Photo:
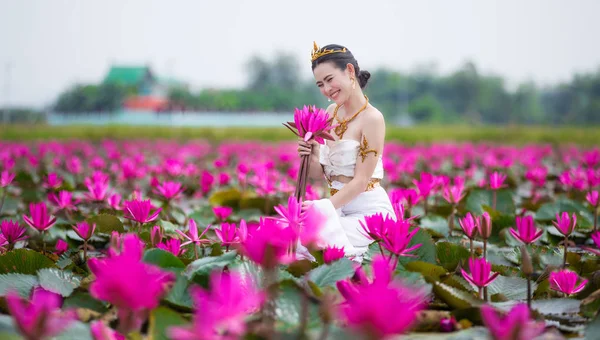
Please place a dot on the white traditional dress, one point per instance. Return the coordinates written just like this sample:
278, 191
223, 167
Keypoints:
342, 227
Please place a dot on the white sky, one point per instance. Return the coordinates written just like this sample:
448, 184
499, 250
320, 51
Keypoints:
51, 44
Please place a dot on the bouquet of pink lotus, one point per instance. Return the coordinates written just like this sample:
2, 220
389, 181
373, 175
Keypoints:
309, 123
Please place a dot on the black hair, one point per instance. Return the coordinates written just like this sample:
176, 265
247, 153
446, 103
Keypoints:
340, 60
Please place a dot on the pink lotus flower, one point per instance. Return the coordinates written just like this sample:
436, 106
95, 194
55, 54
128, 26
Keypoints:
61, 247
97, 191
169, 190
454, 194
171, 245
40, 219
6, 178
481, 273
228, 234
100, 331
206, 181
425, 185
398, 236
497, 180
596, 238
139, 293
41, 317
223, 309
374, 226
380, 308
84, 230
114, 201
527, 232
565, 281
410, 196
537, 175
12, 232
470, 225
484, 227
592, 198
565, 224
224, 178
53, 181
311, 122
332, 254
192, 235
269, 244
140, 211
516, 325
222, 213
64, 200
156, 235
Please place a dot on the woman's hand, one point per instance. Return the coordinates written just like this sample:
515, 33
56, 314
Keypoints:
304, 148
306, 205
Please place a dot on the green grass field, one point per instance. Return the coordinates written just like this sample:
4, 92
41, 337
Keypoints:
585, 136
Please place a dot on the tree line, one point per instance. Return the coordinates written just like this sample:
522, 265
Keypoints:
463, 95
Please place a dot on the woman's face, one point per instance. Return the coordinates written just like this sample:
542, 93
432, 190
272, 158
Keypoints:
333, 82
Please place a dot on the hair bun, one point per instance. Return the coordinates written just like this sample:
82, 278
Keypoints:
363, 78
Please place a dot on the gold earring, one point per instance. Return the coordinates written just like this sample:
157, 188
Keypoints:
353, 83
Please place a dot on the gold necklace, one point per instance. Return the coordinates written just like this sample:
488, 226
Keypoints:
343, 124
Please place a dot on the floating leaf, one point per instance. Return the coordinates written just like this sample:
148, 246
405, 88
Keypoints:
329, 274
179, 295
24, 261
162, 258
454, 297
229, 197
431, 272
205, 265
435, 223
161, 319
288, 309
86, 301
426, 252
106, 223
512, 288
450, 254
58, 281
547, 306
20, 283
478, 198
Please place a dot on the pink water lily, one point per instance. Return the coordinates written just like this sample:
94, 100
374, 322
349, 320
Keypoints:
398, 237
565, 281
192, 235
6, 178
39, 219
268, 245
497, 180
565, 224
61, 247
592, 198
53, 181
140, 211
84, 230
41, 317
64, 200
596, 238
516, 325
222, 310
101, 331
169, 190
526, 231
156, 235
311, 122
454, 194
133, 297
332, 254
383, 307
470, 225
484, 227
228, 234
12, 232
481, 273
222, 213
171, 245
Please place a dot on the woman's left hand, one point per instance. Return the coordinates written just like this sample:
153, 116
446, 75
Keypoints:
306, 205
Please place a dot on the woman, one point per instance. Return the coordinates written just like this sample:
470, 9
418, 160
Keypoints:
352, 164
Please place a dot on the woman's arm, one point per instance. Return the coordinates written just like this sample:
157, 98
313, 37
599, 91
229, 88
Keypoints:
372, 140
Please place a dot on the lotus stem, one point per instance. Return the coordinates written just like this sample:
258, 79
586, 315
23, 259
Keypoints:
471, 247
481, 293
303, 311
529, 291
397, 260
494, 199
485, 249
380, 248
268, 312
195, 251
566, 245
451, 222
3, 198
595, 217
43, 241
85, 251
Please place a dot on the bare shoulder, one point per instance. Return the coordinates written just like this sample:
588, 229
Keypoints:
373, 119
330, 109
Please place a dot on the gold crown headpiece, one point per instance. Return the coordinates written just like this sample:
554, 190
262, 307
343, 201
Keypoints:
317, 52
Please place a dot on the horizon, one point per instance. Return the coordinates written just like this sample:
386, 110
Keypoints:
52, 46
